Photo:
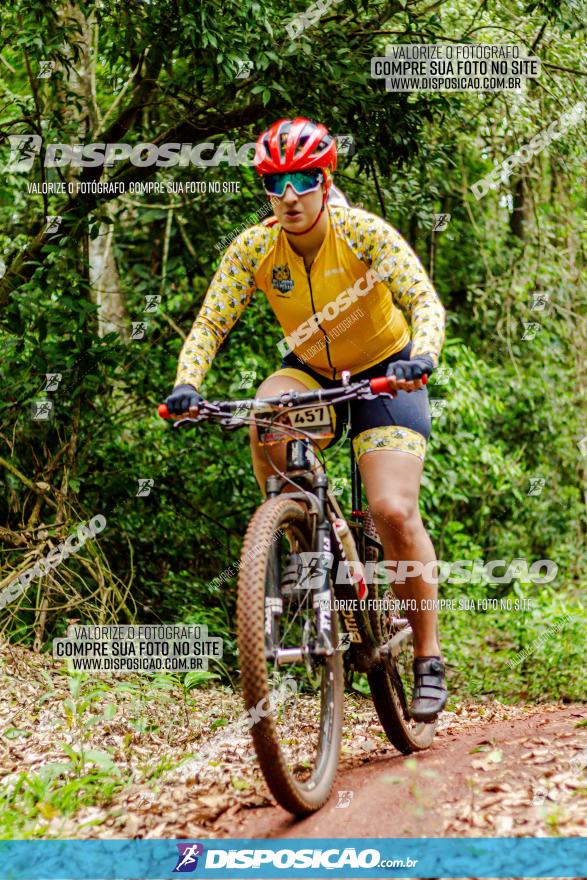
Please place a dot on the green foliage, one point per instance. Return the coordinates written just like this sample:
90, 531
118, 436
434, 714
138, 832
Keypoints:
512, 406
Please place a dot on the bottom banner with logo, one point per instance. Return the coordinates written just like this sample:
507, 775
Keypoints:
293, 857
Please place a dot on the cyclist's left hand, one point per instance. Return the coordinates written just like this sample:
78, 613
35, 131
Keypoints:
408, 374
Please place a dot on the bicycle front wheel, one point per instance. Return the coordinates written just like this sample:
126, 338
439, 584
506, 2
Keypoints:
293, 691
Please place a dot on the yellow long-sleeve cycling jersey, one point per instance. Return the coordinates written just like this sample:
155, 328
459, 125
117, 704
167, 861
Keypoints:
364, 272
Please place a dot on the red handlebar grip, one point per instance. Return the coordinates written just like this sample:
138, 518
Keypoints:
381, 384
163, 412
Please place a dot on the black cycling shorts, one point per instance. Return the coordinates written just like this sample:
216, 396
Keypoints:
399, 423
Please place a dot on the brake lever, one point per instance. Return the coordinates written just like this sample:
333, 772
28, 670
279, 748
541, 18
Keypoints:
188, 421
372, 396
233, 424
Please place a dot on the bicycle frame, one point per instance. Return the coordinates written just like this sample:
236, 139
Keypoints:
365, 652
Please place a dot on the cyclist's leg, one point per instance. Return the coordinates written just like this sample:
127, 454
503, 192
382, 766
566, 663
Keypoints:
267, 458
392, 481
263, 455
389, 441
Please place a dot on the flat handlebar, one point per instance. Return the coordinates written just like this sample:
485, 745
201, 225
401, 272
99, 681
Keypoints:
379, 385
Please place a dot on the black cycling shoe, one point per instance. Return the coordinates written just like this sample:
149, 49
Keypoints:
430, 693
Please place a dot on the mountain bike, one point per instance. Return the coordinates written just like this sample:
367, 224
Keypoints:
306, 618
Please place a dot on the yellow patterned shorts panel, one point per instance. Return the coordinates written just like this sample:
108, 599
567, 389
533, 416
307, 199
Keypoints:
390, 437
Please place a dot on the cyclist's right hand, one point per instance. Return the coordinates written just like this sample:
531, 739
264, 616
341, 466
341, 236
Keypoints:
182, 398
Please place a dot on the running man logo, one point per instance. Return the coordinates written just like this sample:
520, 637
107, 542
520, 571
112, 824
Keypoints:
531, 328
139, 329
540, 795
578, 763
241, 411
539, 301
187, 859
344, 799
23, 149
244, 68
53, 222
437, 407
247, 379
46, 68
338, 485
52, 381
442, 375
536, 486
312, 574
344, 641
42, 410
152, 302
345, 144
441, 221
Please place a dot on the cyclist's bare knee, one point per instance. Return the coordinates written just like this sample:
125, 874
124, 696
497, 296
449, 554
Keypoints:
272, 386
277, 383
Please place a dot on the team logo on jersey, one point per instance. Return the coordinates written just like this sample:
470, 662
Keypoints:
281, 279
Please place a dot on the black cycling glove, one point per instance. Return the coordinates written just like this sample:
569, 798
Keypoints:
181, 398
415, 368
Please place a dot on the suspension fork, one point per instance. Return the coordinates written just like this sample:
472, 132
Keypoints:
299, 466
273, 601
323, 595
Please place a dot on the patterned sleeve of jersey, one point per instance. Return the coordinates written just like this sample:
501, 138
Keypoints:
395, 262
230, 291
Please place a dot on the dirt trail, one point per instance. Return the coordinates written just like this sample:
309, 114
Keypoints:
185, 769
522, 776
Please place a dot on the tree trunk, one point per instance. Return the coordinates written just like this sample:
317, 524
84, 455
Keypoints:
518, 215
105, 290
105, 284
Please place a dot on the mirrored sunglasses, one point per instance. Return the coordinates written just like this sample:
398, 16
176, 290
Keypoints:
301, 181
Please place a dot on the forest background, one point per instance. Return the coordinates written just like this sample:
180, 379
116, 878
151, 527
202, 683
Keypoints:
506, 470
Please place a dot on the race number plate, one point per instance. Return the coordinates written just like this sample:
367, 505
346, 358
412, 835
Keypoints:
314, 421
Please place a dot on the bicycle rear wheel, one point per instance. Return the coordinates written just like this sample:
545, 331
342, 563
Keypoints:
392, 684
295, 709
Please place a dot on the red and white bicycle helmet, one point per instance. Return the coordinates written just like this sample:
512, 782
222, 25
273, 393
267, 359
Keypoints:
295, 145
